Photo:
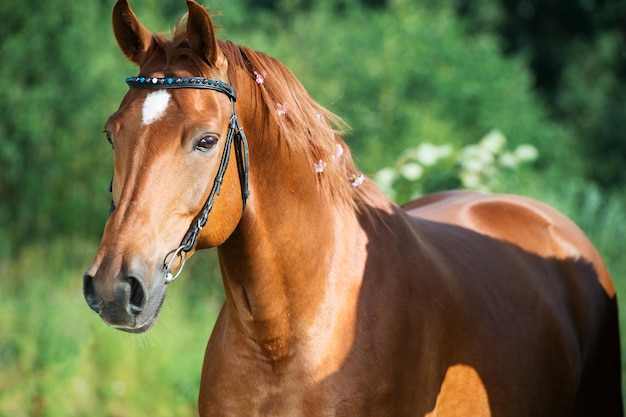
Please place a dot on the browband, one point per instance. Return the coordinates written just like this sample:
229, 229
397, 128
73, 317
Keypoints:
184, 82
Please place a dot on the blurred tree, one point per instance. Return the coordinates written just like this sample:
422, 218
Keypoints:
577, 53
549, 31
592, 99
53, 97
556, 39
415, 75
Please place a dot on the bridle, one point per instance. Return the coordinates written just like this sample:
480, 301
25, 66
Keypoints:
235, 133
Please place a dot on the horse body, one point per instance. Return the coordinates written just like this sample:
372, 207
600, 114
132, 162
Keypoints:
339, 302
442, 320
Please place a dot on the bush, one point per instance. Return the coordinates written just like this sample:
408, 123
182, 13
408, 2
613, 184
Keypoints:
55, 92
428, 168
592, 100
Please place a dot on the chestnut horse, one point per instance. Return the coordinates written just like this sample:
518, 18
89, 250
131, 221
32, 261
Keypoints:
338, 302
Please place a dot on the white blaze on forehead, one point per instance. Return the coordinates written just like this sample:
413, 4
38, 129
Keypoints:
154, 106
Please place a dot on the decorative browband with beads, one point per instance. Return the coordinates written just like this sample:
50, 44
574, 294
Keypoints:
182, 82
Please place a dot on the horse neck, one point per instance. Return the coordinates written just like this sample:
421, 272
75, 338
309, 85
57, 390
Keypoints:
278, 266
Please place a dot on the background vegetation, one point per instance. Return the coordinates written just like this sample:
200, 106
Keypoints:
546, 73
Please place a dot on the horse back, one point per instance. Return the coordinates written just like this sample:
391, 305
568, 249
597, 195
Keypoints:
523, 222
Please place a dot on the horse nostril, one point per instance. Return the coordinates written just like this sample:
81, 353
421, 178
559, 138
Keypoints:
137, 299
94, 300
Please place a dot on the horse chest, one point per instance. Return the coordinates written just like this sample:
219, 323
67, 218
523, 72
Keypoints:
265, 394
238, 386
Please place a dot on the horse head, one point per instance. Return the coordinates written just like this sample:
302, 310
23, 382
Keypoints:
171, 144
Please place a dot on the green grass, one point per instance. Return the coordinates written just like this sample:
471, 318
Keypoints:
57, 358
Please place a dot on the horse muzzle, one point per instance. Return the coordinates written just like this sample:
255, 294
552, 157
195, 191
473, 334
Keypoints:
125, 302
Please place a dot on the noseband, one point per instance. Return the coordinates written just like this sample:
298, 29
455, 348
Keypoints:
235, 132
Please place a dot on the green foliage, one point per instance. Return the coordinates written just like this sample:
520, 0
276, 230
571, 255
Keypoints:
575, 52
55, 88
411, 75
593, 101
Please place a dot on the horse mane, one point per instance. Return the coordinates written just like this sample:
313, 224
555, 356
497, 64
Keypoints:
303, 124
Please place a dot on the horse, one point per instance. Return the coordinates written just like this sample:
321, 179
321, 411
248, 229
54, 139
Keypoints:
338, 302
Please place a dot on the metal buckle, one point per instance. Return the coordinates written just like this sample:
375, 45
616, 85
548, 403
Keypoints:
169, 276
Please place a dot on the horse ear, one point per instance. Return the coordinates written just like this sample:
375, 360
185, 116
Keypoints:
133, 38
201, 34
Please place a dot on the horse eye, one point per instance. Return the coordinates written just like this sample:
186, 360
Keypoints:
109, 138
206, 143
